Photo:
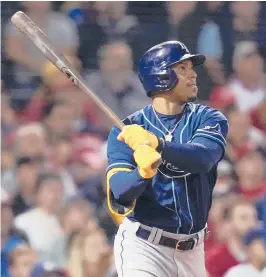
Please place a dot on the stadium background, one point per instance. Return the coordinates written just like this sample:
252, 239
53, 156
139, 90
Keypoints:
53, 137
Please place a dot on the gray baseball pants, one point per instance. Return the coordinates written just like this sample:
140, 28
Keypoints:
135, 257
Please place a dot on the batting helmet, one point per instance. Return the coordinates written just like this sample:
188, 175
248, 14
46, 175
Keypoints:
154, 67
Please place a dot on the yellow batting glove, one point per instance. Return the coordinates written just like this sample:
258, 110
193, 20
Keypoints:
134, 136
148, 160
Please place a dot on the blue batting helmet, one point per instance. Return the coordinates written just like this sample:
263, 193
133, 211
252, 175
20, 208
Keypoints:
154, 67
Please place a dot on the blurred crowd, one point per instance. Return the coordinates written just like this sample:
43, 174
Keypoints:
54, 217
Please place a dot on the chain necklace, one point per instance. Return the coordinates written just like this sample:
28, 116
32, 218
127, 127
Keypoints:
169, 135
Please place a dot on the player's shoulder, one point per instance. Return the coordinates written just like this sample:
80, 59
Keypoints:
205, 112
134, 118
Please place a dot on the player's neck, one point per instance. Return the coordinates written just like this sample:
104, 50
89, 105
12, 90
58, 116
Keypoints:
164, 106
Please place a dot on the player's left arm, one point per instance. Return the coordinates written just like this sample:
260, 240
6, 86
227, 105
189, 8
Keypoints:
200, 154
204, 150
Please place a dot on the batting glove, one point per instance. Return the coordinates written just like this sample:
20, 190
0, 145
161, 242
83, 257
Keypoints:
134, 136
148, 160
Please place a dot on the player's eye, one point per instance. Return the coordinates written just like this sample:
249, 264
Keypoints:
182, 68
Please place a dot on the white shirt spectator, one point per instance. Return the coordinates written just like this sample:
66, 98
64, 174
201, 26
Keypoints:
245, 98
245, 270
209, 41
42, 229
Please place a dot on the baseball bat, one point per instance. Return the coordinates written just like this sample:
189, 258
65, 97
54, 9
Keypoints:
40, 40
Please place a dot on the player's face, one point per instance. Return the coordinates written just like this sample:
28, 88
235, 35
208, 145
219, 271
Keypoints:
186, 89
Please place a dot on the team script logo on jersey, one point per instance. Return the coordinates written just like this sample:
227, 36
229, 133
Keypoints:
169, 170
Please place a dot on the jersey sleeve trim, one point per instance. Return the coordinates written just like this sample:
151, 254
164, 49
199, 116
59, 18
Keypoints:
119, 165
219, 135
216, 138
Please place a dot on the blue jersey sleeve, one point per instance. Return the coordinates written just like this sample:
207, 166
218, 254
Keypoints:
204, 150
126, 186
118, 153
213, 126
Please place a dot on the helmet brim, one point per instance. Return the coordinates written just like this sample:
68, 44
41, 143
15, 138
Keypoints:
196, 59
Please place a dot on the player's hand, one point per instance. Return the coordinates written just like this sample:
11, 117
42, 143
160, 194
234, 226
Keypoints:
134, 136
148, 160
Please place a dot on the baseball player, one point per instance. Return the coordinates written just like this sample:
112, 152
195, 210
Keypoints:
162, 168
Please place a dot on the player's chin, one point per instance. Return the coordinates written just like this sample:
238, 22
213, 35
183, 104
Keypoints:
193, 93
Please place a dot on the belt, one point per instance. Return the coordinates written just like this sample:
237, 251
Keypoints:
182, 245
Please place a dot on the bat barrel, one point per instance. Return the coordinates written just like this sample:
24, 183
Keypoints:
40, 40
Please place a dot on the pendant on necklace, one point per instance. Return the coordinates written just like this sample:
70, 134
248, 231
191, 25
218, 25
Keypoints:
168, 137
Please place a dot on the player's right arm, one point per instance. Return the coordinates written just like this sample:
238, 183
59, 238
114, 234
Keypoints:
128, 171
128, 174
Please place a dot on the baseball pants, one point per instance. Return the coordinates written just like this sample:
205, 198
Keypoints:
137, 257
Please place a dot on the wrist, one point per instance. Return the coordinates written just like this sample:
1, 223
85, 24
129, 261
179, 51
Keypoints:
145, 174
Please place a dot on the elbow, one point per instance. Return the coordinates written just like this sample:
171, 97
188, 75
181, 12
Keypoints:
206, 164
205, 167
120, 194
122, 197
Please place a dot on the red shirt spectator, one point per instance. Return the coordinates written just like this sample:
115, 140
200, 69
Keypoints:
258, 117
226, 260
241, 216
250, 171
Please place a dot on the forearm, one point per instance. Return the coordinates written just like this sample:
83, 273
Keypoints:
190, 157
127, 186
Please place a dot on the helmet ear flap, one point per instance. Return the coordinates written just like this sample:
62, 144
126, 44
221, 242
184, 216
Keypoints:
167, 79
163, 80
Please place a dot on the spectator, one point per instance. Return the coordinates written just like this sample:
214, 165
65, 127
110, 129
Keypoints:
91, 34
46, 269
241, 217
181, 16
63, 151
210, 42
242, 136
87, 179
9, 120
258, 115
261, 207
44, 228
7, 159
56, 86
76, 215
118, 25
116, 83
58, 120
75, 10
27, 59
10, 236
241, 25
256, 250
28, 141
26, 176
223, 195
247, 84
89, 254
251, 175
21, 261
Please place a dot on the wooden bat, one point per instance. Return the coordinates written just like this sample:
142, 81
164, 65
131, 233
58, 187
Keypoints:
36, 35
